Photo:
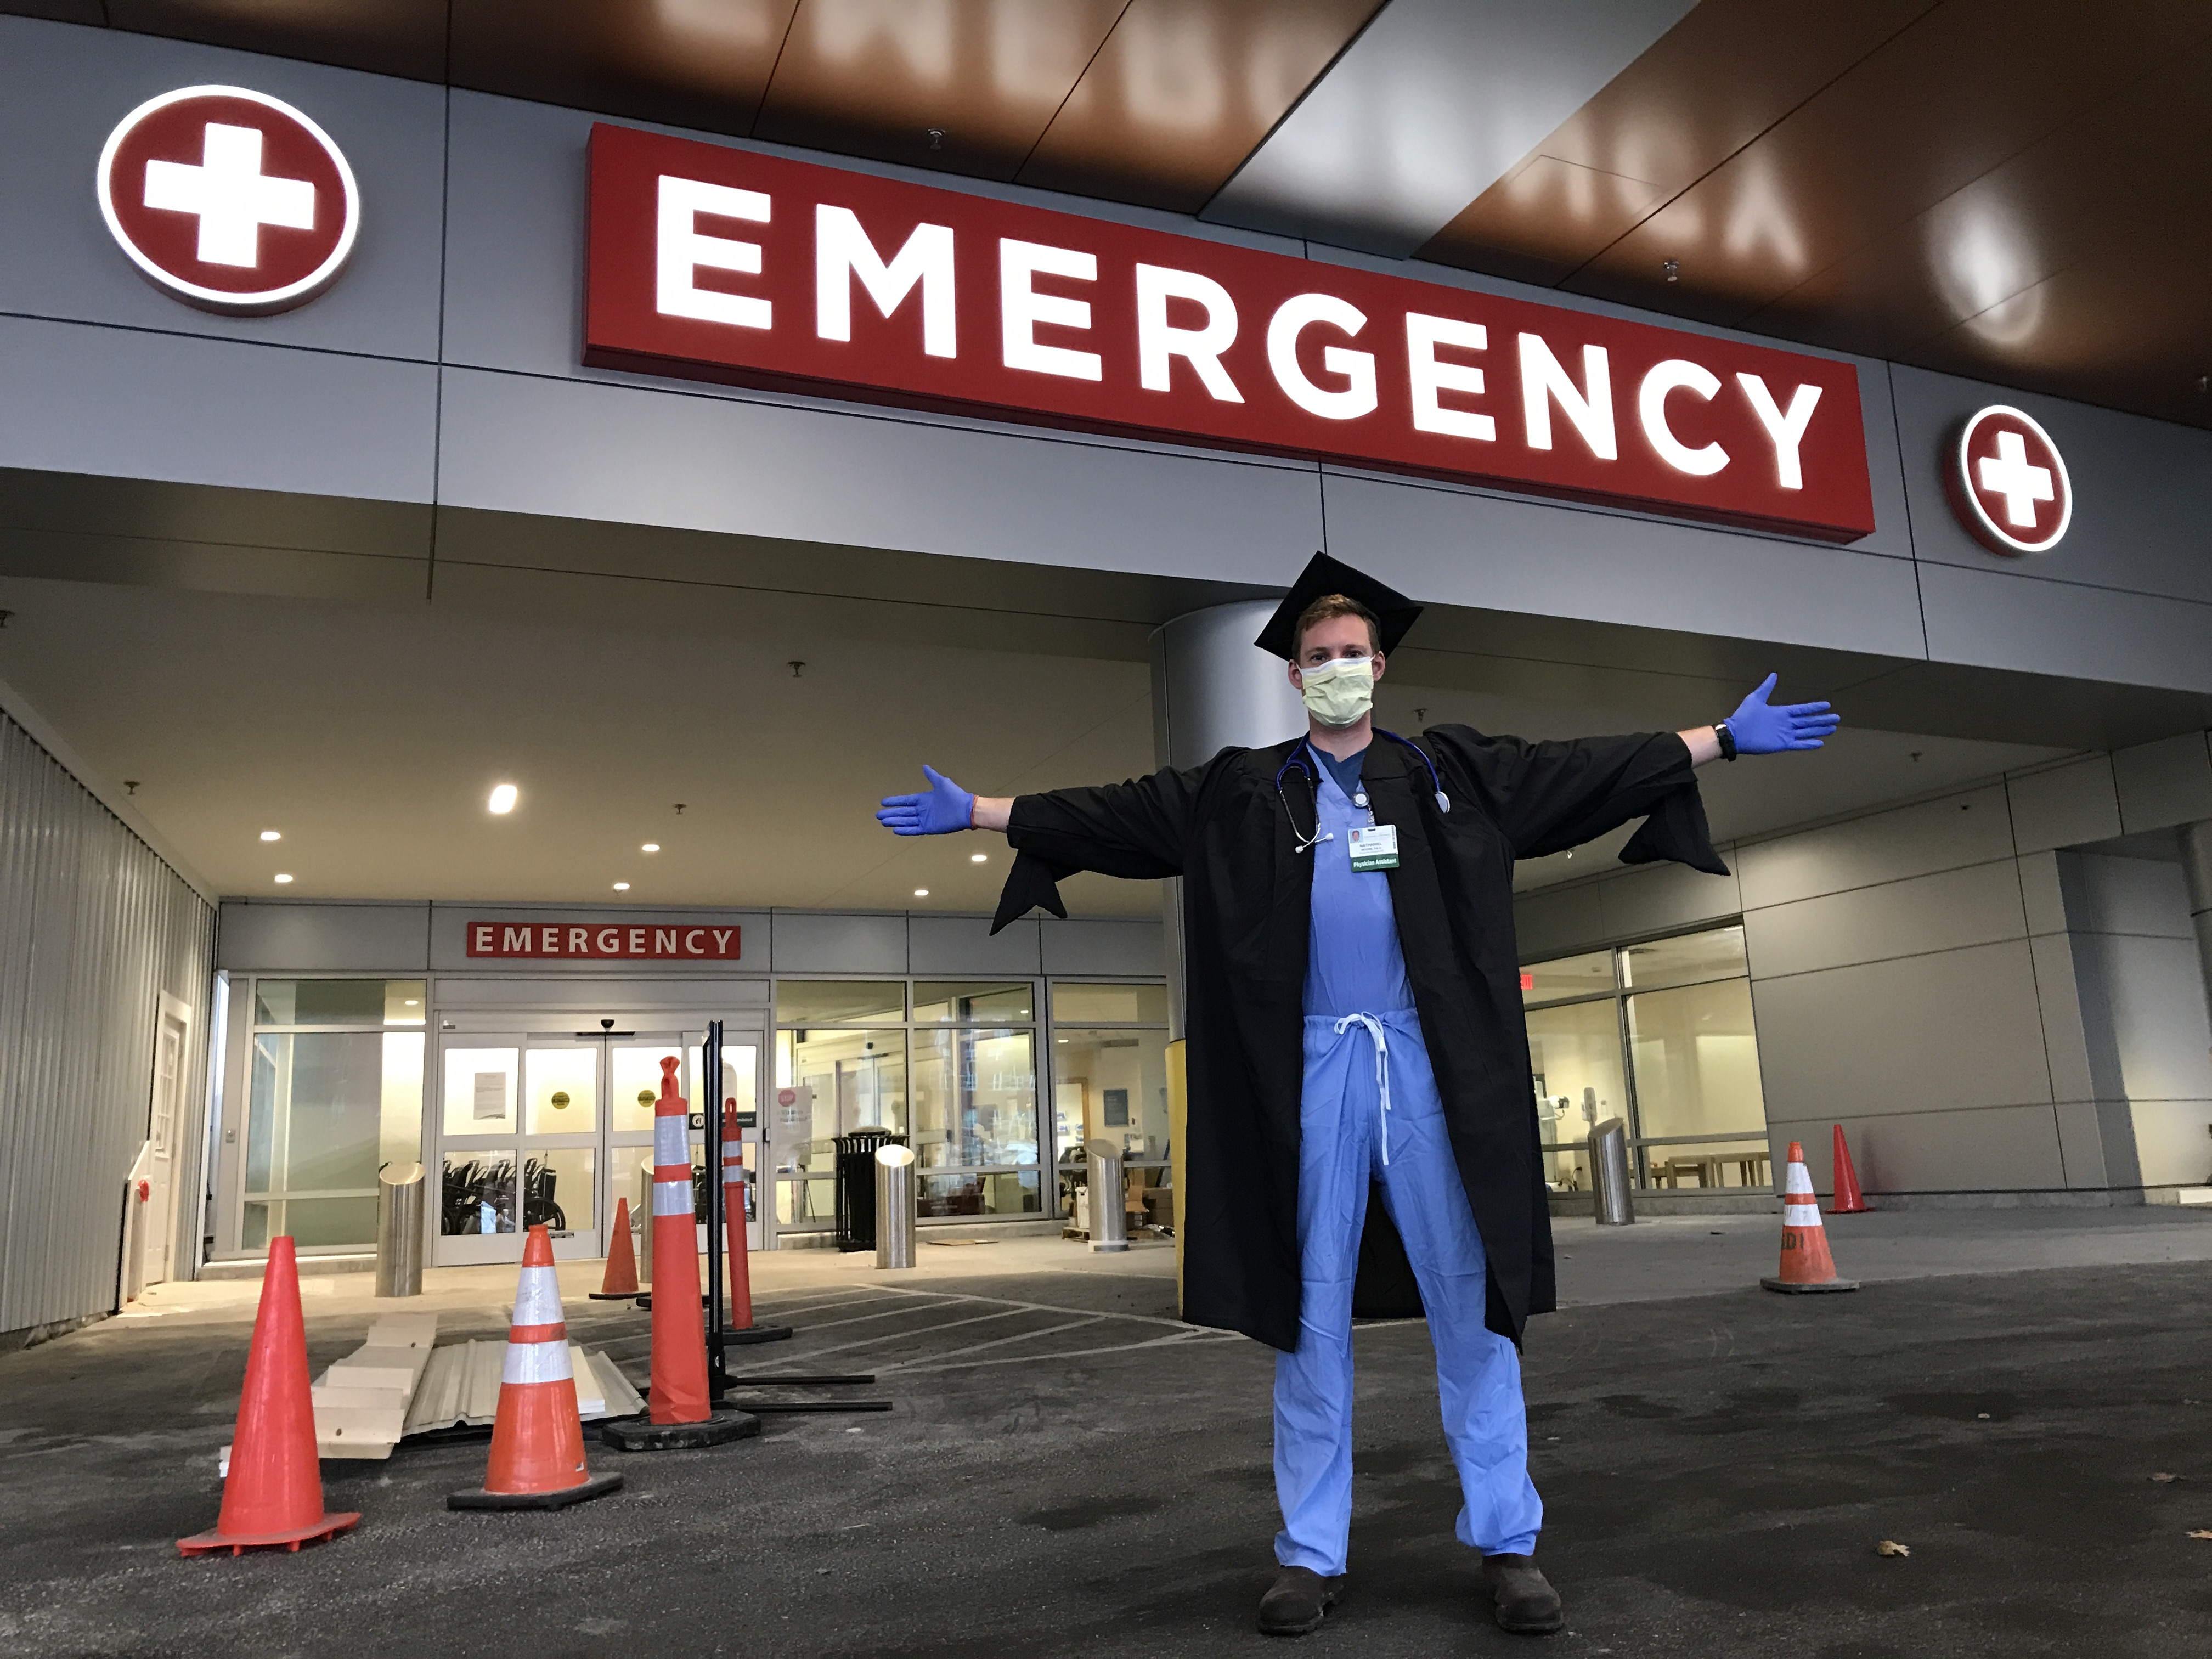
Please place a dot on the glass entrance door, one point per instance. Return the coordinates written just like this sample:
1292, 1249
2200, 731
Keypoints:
552, 1127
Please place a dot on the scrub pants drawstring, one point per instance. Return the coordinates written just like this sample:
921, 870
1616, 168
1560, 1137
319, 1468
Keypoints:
1382, 1070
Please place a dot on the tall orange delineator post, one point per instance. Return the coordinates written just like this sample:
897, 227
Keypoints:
740, 1326
273, 1497
679, 1413
538, 1438
1806, 1264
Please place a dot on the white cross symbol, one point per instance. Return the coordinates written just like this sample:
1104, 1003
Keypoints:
232, 199
2007, 473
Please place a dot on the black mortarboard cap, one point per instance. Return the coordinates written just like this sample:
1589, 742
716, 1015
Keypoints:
1323, 575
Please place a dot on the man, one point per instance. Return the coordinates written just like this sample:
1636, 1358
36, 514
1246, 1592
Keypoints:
1354, 1024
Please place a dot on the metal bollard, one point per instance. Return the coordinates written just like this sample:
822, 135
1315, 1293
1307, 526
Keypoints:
1109, 1224
895, 1206
400, 1194
1608, 1155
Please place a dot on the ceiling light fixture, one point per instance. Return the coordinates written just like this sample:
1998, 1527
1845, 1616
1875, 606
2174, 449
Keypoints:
281, 880
1673, 269
977, 858
622, 887
650, 846
921, 892
272, 835
503, 798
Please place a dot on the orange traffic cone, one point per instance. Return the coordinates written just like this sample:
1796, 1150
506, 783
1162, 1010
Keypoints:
1806, 1263
620, 1282
1849, 1199
274, 1493
679, 1412
741, 1328
538, 1438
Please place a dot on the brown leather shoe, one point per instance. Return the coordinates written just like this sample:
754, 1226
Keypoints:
1523, 1599
1296, 1602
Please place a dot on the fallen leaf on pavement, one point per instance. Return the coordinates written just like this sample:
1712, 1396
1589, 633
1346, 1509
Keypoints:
1891, 1546
2163, 1479
2202, 1531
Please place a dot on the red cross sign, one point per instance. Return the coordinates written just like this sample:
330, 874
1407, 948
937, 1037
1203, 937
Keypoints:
2008, 482
230, 200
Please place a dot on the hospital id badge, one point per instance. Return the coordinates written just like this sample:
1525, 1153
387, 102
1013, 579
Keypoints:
1375, 847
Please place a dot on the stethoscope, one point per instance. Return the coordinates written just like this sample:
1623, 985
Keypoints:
1306, 843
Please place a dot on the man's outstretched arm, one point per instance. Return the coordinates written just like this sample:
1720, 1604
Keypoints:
1760, 728
942, 808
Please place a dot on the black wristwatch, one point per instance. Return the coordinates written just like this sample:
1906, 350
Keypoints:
1728, 740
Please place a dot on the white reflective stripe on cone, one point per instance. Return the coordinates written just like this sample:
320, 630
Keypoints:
673, 1198
1798, 1181
536, 1362
537, 1298
668, 1142
1800, 1215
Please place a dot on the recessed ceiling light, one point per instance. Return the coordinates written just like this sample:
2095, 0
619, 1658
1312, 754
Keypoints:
281, 880
502, 798
977, 858
412, 1002
272, 835
921, 892
622, 887
650, 846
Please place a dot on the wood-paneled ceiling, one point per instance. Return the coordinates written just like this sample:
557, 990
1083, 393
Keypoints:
2015, 190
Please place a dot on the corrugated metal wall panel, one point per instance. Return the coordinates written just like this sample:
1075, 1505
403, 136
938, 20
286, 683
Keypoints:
93, 928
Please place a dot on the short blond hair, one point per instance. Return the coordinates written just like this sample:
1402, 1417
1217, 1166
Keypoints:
1330, 605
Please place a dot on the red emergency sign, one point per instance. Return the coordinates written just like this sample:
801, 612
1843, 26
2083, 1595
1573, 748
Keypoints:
718, 263
586, 941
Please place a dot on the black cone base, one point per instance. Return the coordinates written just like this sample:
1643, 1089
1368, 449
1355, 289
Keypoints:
1788, 1289
756, 1334
597, 1486
642, 1434
611, 1296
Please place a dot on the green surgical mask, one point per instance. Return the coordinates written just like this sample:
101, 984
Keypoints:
1341, 692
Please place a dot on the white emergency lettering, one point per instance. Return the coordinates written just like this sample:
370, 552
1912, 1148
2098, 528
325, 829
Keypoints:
683, 252
1677, 375
536, 1362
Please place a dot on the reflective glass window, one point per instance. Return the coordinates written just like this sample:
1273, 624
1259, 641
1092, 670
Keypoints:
838, 1002
982, 1004
829, 1083
1567, 976
1110, 1005
1696, 1061
1686, 959
974, 1097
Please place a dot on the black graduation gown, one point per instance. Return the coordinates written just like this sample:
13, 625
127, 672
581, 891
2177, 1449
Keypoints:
1247, 898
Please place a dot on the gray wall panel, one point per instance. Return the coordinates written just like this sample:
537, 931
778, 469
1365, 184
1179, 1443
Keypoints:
2164, 783
1968, 828
272, 937
94, 929
1997, 619
2171, 1142
1554, 919
62, 90
2042, 892
1118, 949
1997, 1149
1662, 898
129, 404
523, 445
2064, 806
1955, 1029
965, 944
2080, 1144
2133, 896
2142, 489
824, 942
1456, 546
1977, 905
2065, 1037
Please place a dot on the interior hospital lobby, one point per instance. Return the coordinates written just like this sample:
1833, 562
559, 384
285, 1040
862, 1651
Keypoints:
419, 722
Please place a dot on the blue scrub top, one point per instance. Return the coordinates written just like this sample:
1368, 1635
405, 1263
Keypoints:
1353, 962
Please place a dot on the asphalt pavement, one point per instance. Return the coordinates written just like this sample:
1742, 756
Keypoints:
1067, 1470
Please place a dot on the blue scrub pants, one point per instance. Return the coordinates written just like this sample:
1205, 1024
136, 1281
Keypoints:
1345, 1131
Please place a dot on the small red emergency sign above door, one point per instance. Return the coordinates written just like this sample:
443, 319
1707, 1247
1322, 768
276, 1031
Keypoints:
230, 199
582, 942
2008, 482
718, 263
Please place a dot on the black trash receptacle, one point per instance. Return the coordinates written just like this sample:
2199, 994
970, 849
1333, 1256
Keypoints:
856, 1186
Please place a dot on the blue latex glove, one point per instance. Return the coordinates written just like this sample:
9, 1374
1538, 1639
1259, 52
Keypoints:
1760, 728
942, 808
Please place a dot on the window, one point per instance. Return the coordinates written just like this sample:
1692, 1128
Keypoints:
334, 1093
1109, 1082
958, 1082
1660, 1034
